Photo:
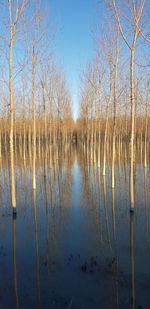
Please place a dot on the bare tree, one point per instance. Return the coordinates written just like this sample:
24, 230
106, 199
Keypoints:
115, 105
16, 9
135, 10
35, 34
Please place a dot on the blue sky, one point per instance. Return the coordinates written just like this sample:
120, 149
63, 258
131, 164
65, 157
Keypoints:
74, 46
73, 21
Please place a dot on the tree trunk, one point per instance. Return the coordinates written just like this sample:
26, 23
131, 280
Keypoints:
132, 129
114, 124
34, 125
12, 177
146, 129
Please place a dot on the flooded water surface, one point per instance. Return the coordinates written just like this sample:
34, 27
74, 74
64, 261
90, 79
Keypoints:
74, 243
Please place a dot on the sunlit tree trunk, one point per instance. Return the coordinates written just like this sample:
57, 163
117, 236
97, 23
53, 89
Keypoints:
132, 129
12, 176
34, 124
99, 143
106, 126
0, 144
136, 9
146, 128
114, 123
24, 141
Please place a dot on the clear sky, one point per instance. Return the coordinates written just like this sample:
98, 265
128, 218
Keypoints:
74, 46
74, 21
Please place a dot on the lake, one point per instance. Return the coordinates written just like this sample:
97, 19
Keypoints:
74, 243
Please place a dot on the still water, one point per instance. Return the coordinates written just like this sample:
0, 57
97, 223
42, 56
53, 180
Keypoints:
74, 243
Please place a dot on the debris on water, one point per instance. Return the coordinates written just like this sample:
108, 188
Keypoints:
90, 265
84, 267
93, 261
112, 266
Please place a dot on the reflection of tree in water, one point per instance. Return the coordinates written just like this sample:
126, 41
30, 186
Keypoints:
14, 246
132, 262
37, 248
146, 198
53, 156
106, 209
55, 186
94, 195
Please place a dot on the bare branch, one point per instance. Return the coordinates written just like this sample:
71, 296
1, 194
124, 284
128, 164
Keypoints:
119, 24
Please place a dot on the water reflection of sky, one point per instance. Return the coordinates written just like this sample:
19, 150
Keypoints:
75, 239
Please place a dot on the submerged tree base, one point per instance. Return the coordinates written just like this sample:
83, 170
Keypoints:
14, 213
131, 210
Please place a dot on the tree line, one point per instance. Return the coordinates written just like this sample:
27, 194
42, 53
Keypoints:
35, 98
114, 97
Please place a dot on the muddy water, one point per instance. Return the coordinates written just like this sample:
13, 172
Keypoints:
74, 243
